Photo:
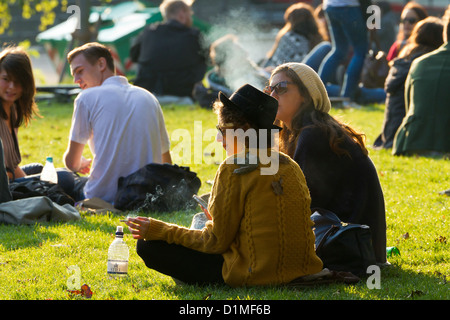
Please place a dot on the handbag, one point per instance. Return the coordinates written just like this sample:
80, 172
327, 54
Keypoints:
376, 67
342, 246
158, 187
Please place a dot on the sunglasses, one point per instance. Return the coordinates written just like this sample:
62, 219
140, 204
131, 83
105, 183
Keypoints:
280, 88
409, 20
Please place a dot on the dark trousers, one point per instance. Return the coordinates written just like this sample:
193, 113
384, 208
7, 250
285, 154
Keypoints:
70, 182
181, 263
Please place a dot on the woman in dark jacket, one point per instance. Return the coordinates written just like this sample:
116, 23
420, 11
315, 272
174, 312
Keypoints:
425, 37
340, 176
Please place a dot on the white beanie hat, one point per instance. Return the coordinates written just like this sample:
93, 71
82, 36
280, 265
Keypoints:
313, 84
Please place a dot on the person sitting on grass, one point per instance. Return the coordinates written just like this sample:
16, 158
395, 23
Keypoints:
123, 125
425, 129
426, 37
17, 108
17, 105
341, 176
260, 232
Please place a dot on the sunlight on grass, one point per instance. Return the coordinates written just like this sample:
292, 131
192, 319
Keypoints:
34, 259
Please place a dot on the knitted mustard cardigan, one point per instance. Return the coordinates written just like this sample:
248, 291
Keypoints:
261, 225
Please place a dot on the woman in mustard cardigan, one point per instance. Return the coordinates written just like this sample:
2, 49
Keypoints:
260, 232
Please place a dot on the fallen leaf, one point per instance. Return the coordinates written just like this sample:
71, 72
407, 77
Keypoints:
441, 239
207, 296
405, 236
84, 291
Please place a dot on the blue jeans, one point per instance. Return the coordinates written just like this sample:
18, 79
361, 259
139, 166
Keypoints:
347, 27
362, 95
315, 57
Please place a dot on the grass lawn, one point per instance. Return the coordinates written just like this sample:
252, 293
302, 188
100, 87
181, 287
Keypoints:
35, 260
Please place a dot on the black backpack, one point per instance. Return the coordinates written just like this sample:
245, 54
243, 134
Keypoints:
158, 187
342, 246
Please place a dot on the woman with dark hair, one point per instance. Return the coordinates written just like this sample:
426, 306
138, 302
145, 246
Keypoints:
17, 105
297, 38
260, 232
340, 176
412, 13
425, 37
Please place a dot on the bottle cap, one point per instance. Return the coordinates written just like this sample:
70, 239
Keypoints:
49, 159
119, 231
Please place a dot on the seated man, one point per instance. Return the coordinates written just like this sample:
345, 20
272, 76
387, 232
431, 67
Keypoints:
123, 124
426, 126
169, 54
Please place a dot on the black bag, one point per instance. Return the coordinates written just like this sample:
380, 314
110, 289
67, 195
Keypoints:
342, 246
37, 188
158, 187
376, 67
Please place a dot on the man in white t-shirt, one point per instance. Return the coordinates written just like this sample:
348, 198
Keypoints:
122, 124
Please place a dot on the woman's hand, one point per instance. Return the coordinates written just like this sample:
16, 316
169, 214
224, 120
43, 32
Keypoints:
138, 227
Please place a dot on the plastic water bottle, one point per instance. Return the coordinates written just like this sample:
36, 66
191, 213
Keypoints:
118, 255
49, 172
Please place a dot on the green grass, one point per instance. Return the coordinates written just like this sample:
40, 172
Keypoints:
34, 260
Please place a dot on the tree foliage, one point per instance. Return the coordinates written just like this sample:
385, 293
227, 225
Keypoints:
45, 8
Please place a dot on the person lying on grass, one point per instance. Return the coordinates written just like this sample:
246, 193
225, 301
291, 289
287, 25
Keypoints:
260, 232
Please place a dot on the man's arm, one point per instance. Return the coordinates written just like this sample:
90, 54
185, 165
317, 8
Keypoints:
74, 160
166, 158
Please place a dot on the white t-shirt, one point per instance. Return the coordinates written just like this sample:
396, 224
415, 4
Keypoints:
125, 129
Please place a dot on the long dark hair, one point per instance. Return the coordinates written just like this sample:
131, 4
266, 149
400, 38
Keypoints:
336, 131
300, 19
420, 11
426, 36
16, 62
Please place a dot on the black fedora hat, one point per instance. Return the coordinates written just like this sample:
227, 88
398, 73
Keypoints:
258, 108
